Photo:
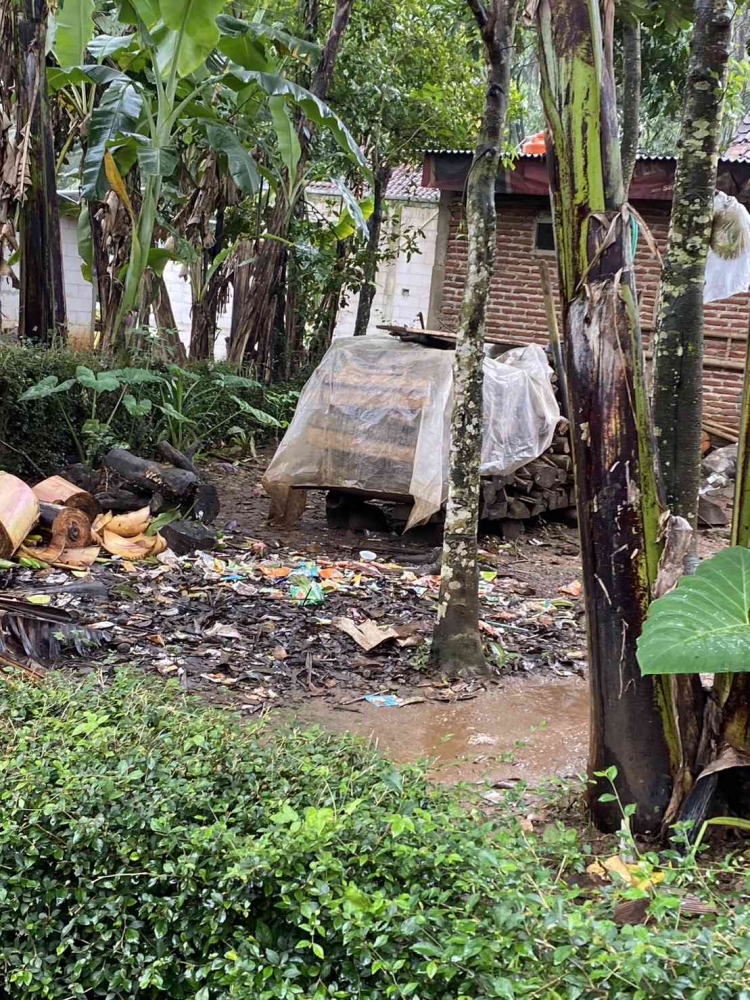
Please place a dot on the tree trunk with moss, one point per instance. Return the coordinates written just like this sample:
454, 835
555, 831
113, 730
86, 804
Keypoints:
381, 176
41, 318
618, 508
678, 351
631, 100
456, 643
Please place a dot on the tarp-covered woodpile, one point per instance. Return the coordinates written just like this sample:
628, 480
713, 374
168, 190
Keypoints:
375, 418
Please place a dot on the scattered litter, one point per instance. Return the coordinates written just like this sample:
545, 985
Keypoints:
368, 635
574, 589
367, 556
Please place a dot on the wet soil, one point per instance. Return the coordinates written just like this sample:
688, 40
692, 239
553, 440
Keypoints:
229, 632
523, 729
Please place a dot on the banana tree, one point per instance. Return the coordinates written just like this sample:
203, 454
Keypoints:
42, 316
167, 71
632, 721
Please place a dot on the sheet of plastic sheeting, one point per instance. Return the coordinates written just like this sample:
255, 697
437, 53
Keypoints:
521, 410
728, 263
375, 416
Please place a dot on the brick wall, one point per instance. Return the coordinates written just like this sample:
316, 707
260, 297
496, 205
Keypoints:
516, 308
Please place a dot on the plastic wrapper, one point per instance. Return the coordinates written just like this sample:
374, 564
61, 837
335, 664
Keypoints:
375, 417
728, 263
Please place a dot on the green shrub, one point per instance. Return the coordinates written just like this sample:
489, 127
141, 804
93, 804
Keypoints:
150, 848
43, 442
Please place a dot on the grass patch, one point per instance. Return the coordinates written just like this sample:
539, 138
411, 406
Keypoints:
150, 847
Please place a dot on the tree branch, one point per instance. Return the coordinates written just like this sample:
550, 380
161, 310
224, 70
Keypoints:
480, 13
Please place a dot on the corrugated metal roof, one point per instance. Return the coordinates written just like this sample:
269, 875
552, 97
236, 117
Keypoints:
734, 153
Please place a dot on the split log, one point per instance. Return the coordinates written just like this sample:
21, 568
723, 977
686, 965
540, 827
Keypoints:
184, 537
19, 510
176, 458
57, 490
177, 484
206, 507
65, 524
123, 502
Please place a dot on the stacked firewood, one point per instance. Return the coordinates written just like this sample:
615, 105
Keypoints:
545, 484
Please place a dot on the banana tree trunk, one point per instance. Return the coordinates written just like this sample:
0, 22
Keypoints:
618, 506
42, 318
678, 350
456, 642
256, 335
382, 175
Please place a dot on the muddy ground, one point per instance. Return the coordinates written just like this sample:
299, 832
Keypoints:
226, 626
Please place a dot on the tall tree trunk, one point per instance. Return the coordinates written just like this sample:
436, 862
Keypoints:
456, 642
257, 333
631, 100
203, 328
618, 508
169, 336
678, 351
381, 177
42, 295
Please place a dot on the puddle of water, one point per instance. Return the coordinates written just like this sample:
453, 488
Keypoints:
526, 730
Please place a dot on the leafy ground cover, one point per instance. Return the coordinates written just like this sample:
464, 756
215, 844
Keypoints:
151, 847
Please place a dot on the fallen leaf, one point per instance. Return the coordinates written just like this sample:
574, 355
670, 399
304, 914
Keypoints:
223, 631
631, 911
279, 653
220, 679
368, 635
157, 640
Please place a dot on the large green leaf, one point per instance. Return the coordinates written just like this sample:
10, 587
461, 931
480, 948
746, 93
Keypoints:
260, 416
241, 165
75, 28
99, 381
47, 387
58, 78
703, 625
117, 112
246, 52
312, 107
286, 44
155, 161
195, 23
286, 135
105, 46
354, 209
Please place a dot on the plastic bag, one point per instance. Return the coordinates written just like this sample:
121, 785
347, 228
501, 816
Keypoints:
375, 416
728, 264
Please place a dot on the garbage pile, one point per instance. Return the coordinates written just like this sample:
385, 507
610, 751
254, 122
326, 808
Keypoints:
719, 470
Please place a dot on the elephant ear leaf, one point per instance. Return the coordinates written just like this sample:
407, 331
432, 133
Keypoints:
703, 625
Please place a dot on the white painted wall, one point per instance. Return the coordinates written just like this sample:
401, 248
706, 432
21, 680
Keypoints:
403, 287
79, 293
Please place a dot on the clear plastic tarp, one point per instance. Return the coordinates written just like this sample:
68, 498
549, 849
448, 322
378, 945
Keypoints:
375, 417
728, 264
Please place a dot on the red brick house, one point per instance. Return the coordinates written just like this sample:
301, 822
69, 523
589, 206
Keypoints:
524, 237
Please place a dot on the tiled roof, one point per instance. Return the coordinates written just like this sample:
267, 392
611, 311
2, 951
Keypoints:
405, 185
739, 147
